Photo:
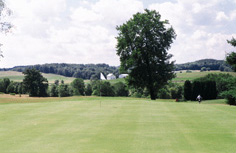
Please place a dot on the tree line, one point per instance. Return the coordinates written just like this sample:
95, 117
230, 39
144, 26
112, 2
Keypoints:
212, 86
36, 85
205, 64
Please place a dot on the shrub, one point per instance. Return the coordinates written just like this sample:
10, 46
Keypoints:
187, 90
96, 85
230, 96
78, 86
4, 84
164, 94
120, 89
106, 89
176, 92
88, 90
136, 92
54, 91
64, 91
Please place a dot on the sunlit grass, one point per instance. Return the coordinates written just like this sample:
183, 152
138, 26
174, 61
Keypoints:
115, 125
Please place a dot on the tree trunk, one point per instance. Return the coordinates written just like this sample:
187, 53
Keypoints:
152, 93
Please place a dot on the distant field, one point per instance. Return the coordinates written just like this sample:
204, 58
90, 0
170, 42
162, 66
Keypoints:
18, 76
115, 125
181, 77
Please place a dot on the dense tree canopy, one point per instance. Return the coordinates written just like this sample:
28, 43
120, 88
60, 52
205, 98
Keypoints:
231, 58
78, 87
35, 84
143, 42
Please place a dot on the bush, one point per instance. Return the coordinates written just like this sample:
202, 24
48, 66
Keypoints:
187, 90
176, 92
4, 84
64, 90
136, 92
54, 91
96, 85
164, 94
88, 90
230, 96
78, 87
106, 89
120, 89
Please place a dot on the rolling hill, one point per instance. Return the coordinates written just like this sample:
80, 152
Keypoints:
18, 76
88, 71
180, 77
210, 64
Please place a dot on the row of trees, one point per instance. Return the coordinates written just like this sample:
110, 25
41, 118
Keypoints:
7, 86
204, 65
37, 86
207, 89
211, 86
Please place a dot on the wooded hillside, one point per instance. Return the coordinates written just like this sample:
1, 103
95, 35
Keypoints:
209, 64
88, 71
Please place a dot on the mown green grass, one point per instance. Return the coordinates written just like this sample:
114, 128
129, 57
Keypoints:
114, 125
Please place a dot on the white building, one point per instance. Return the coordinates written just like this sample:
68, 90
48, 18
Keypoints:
123, 75
111, 76
102, 77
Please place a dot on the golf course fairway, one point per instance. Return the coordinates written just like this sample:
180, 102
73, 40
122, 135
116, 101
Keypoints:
115, 125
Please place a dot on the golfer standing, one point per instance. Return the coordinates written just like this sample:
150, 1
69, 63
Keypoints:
199, 98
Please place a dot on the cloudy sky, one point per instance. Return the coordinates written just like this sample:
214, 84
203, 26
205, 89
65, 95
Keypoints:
84, 31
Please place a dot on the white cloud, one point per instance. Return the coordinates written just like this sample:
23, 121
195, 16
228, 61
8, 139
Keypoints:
57, 31
202, 28
52, 31
221, 16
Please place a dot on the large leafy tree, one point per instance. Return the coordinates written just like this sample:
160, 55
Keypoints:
231, 58
78, 86
230, 95
143, 42
35, 84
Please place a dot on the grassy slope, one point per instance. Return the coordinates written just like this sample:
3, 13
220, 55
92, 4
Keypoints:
181, 77
18, 76
81, 124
